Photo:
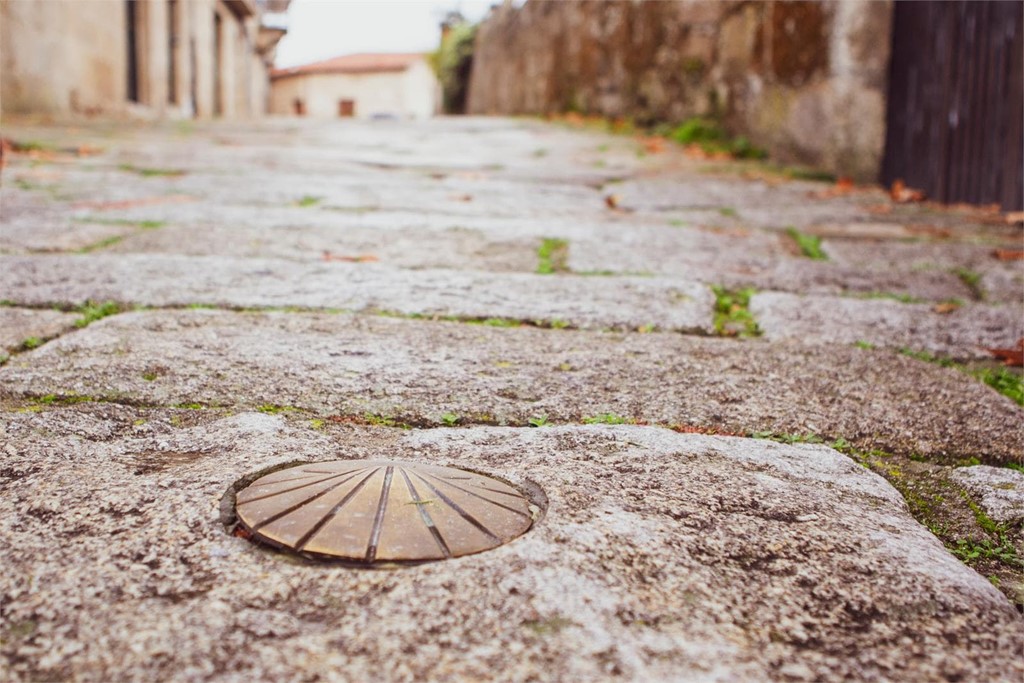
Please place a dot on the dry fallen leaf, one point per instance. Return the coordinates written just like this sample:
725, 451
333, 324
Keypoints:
361, 258
653, 145
1014, 357
129, 203
611, 201
946, 307
1009, 254
843, 186
901, 194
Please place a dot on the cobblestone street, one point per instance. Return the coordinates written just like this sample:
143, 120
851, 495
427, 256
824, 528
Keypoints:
761, 409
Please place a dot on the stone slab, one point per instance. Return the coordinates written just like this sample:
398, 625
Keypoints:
1000, 490
19, 324
181, 281
660, 557
964, 333
417, 370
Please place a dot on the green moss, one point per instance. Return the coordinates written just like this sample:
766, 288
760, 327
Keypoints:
91, 312
1007, 383
308, 200
607, 419
101, 244
712, 138
732, 313
894, 296
809, 245
31, 343
274, 409
972, 280
152, 172
553, 256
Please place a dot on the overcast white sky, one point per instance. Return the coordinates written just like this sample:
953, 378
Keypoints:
318, 29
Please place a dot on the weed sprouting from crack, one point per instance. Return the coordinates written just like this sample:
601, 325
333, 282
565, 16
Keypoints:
732, 313
809, 245
553, 256
152, 172
971, 280
91, 312
1004, 381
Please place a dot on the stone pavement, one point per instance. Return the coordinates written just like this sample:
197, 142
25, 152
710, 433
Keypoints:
757, 465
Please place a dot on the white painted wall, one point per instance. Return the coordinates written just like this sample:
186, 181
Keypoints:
406, 94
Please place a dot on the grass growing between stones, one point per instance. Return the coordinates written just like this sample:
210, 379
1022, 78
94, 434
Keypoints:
91, 312
152, 172
307, 201
809, 245
732, 312
144, 224
101, 244
971, 280
1006, 382
941, 505
553, 256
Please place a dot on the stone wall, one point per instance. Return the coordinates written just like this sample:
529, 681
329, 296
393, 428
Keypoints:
806, 80
71, 57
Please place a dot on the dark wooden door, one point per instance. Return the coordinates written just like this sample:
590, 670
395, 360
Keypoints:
346, 108
955, 125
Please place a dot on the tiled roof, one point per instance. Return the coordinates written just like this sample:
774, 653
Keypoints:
353, 64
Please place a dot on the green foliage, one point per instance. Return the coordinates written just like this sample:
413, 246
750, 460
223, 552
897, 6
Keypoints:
152, 172
894, 296
1001, 550
102, 244
552, 256
861, 344
1007, 383
538, 421
452, 62
712, 138
606, 419
732, 314
810, 245
972, 280
450, 419
91, 312
308, 200
31, 343
697, 130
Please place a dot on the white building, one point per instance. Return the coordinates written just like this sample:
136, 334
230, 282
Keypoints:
361, 85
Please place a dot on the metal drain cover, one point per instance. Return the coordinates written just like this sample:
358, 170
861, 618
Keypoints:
382, 511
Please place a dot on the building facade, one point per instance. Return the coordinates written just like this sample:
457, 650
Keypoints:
363, 86
179, 58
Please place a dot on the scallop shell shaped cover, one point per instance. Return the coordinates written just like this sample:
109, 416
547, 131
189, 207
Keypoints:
382, 511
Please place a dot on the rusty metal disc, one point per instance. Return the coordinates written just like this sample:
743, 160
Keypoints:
382, 511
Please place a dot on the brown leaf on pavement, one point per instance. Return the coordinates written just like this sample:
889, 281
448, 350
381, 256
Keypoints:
361, 258
946, 307
1009, 254
611, 201
901, 194
653, 145
1014, 357
130, 203
843, 186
